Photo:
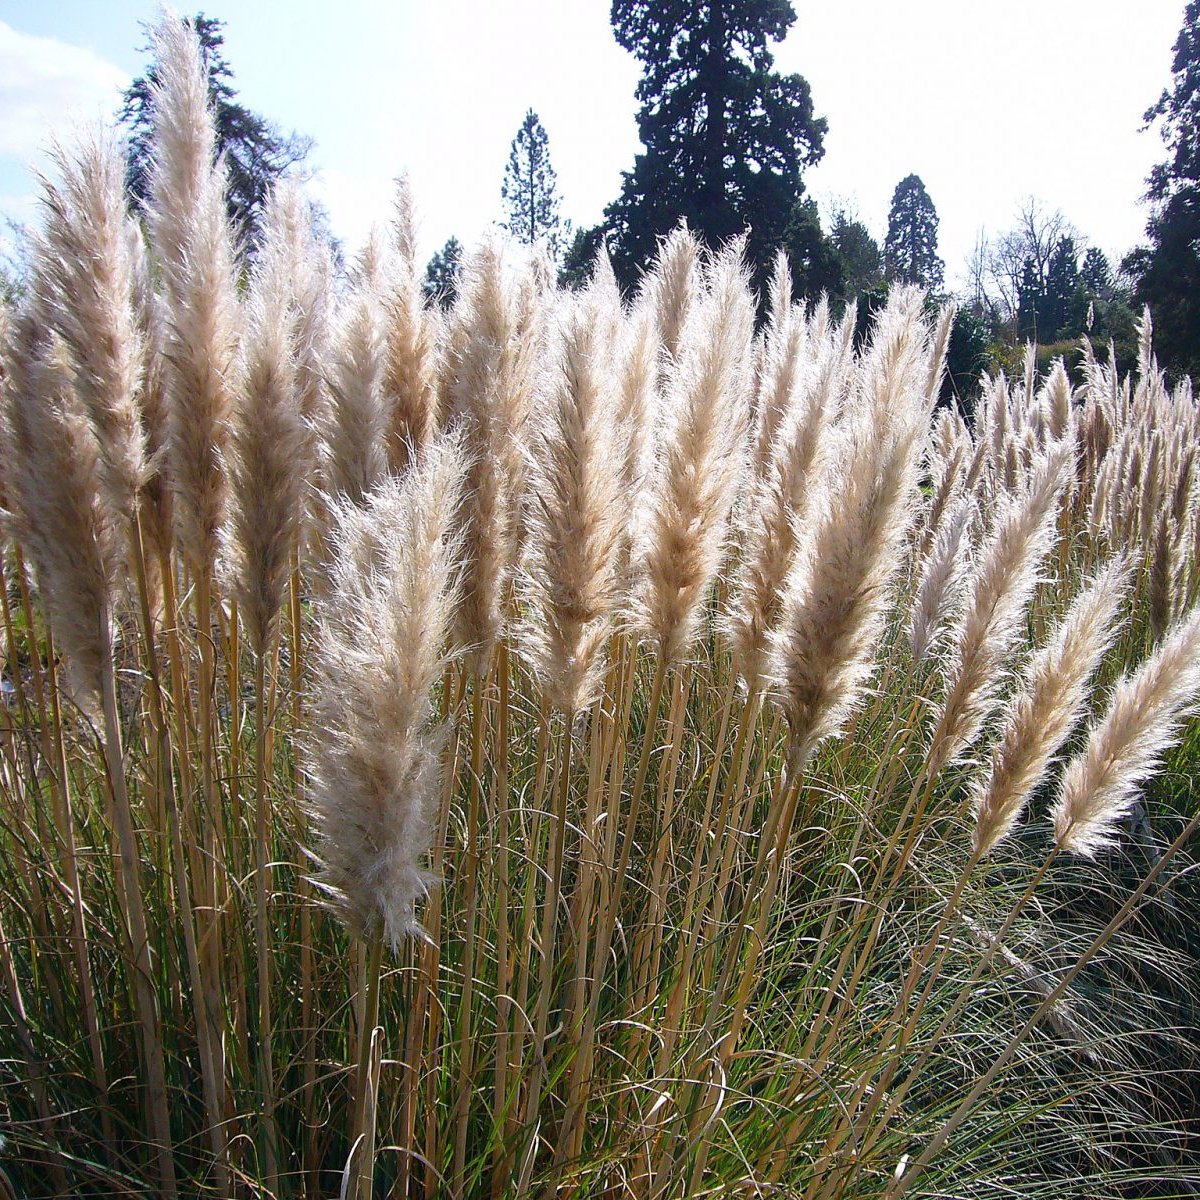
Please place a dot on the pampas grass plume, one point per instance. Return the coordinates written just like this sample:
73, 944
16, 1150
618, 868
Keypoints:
374, 757
638, 404
270, 471
577, 511
492, 368
1126, 743
699, 471
782, 498
410, 371
1006, 574
193, 245
85, 276
53, 481
356, 450
1047, 706
671, 287
832, 614
942, 580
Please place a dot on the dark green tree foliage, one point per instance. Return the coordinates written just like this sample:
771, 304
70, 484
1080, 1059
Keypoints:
967, 357
858, 252
1061, 309
1168, 270
813, 258
580, 256
256, 152
725, 137
1096, 275
1108, 300
1072, 299
910, 249
441, 274
530, 189
1029, 296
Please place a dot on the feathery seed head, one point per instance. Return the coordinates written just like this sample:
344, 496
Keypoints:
788, 492
698, 472
355, 454
672, 288
54, 485
1124, 746
1006, 573
1047, 706
85, 276
943, 577
270, 471
374, 757
833, 609
577, 505
193, 246
410, 375
492, 364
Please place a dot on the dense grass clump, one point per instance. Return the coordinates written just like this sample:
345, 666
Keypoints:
574, 744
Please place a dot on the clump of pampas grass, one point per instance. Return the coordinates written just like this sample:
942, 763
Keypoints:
659, 696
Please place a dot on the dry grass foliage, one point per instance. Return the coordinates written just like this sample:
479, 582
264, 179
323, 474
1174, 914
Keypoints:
575, 744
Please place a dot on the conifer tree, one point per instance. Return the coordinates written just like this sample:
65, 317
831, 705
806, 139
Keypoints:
256, 152
441, 274
725, 137
1029, 296
910, 249
1059, 308
1096, 274
1168, 271
817, 268
530, 190
862, 264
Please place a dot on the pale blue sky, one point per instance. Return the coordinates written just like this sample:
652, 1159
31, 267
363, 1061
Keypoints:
988, 102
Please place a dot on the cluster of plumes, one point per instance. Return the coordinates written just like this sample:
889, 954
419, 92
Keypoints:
542, 469
1098, 477
836, 595
1138, 476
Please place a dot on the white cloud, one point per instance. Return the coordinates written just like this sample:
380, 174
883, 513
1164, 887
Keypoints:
45, 85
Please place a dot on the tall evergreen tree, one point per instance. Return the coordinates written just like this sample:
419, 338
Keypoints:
1096, 274
580, 257
1168, 271
1029, 299
813, 258
910, 249
256, 152
441, 274
1060, 310
725, 137
530, 189
862, 264
1052, 305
